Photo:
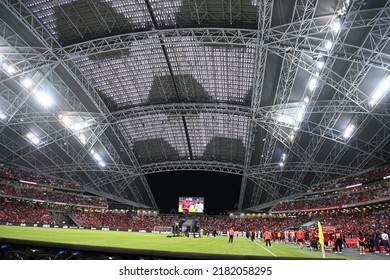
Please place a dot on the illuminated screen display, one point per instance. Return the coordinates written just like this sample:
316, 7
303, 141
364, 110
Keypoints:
190, 204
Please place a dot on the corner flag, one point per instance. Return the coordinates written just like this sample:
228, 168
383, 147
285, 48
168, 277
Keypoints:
320, 234
321, 239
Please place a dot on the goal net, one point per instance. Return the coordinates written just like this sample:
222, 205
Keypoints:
162, 229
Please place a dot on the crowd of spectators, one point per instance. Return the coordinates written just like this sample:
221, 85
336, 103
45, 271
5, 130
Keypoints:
51, 195
377, 190
251, 223
377, 173
351, 222
19, 211
18, 174
122, 220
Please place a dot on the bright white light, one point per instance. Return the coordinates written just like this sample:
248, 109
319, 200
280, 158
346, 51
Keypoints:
336, 26
35, 141
320, 64
2, 116
283, 157
27, 83
383, 87
67, 121
102, 163
97, 156
79, 126
348, 131
328, 45
281, 164
30, 136
44, 98
92, 152
306, 99
10, 69
285, 119
376, 96
82, 139
385, 84
292, 136
312, 84
301, 114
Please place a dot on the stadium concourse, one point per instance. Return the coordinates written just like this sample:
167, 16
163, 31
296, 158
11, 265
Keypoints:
273, 113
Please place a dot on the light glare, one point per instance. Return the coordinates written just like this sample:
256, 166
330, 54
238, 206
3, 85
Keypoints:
44, 99
312, 84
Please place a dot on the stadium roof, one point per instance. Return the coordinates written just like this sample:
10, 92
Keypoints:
285, 93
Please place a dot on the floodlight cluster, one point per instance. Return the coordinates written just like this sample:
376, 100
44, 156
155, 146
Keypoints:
7, 66
380, 91
348, 131
98, 158
37, 86
33, 87
33, 138
283, 159
3, 116
76, 125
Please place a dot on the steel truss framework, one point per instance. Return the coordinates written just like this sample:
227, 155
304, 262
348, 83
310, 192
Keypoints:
297, 44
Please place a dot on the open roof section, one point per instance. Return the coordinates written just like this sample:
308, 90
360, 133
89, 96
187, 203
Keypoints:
285, 93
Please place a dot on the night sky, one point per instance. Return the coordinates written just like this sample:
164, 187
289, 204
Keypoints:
221, 190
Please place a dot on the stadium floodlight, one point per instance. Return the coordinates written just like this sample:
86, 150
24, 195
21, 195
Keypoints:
320, 64
34, 139
380, 91
79, 126
336, 26
313, 84
27, 82
282, 159
285, 119
328, 45
66, 121
306, 99
43, 98
97, 157
82, 138
10, 69
2, 116
348, 131
102, 163
301, 113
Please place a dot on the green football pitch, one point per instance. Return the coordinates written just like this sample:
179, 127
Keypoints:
159, 242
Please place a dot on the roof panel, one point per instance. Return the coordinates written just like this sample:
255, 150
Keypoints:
130, 77
205, 13
158, 126
77, 20
218, 136
219, 73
